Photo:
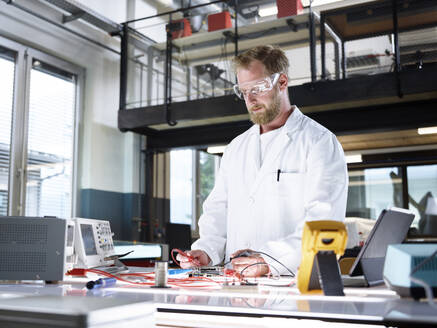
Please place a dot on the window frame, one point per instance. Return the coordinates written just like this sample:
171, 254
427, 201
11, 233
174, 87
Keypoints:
197, 203
20, 117
415, 158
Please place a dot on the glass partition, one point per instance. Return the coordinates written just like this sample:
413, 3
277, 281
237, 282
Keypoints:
422, 190
372, 190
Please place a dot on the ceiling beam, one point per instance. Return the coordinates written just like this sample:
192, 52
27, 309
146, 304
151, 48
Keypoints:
369, 119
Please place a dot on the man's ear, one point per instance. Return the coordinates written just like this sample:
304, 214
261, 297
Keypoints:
283, 82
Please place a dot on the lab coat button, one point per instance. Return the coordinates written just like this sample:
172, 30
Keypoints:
251, 200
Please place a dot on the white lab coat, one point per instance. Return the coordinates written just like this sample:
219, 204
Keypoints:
249, 208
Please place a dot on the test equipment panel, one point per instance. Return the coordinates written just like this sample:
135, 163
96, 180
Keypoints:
93, 243
35, 248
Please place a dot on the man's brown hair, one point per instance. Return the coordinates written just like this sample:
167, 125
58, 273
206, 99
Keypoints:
273, 58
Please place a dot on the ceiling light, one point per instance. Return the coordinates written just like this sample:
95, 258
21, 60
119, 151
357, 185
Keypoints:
216, 149
430, 130
314, 3
268, 11
167, 3
357, 158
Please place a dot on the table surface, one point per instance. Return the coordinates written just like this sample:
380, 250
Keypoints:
70, 302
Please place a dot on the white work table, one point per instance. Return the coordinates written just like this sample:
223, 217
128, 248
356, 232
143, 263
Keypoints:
71, 305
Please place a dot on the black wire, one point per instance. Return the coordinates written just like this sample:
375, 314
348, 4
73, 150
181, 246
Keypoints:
262, 253
258, 35
257, 263
291, 272
123, 255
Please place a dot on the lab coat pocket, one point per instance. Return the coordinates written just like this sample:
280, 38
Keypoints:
290, 193
290, 184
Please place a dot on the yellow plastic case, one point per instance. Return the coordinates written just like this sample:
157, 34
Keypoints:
318, 236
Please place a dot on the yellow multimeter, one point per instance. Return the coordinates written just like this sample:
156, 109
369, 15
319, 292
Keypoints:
322, 242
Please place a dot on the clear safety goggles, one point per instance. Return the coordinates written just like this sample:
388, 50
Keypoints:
257, 87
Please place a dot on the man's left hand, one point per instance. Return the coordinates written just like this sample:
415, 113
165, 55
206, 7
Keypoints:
246, 264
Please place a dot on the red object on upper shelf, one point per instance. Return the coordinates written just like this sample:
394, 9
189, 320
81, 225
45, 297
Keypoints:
289, 7
185, 29
219, 21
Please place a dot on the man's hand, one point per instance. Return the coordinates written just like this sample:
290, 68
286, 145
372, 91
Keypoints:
246, 263
194, 258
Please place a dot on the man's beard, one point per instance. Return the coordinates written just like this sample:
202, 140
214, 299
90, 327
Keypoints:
269, 114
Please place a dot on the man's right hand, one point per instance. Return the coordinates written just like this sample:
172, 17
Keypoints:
195, 258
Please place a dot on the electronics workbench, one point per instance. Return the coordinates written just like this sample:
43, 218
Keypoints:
68, 273
70, 304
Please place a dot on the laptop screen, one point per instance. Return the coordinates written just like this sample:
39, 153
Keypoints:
390, 228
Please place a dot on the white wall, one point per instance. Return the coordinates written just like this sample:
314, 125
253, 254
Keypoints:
115, 10
107, 157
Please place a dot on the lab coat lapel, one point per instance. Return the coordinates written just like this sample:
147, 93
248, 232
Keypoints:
255, 151
268, 165
272, 160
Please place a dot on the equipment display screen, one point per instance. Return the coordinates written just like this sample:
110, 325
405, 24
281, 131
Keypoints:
88, 239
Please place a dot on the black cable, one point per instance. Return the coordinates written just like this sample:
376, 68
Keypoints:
262, 253
258, 35
270, 273
291, 272
253, 264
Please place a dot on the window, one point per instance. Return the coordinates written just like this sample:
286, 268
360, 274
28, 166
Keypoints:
372, 190
50, 142
406, 186
208, 164
38, 132
422, 191
7, 68
192, 177
181, 186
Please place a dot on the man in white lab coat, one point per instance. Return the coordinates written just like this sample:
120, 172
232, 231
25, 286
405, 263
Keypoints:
284, 170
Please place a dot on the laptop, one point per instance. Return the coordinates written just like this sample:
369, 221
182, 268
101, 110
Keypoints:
390, 228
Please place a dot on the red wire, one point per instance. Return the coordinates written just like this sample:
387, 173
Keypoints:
118, 278
182, 282
190, 258
176, 282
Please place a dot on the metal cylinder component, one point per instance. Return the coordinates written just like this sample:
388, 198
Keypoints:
161, 268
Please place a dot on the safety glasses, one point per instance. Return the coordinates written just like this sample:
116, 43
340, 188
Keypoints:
256, 88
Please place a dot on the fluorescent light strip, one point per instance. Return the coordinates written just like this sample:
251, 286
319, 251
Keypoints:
216, 149
306, 3
357, 158
268, 11
429, 130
